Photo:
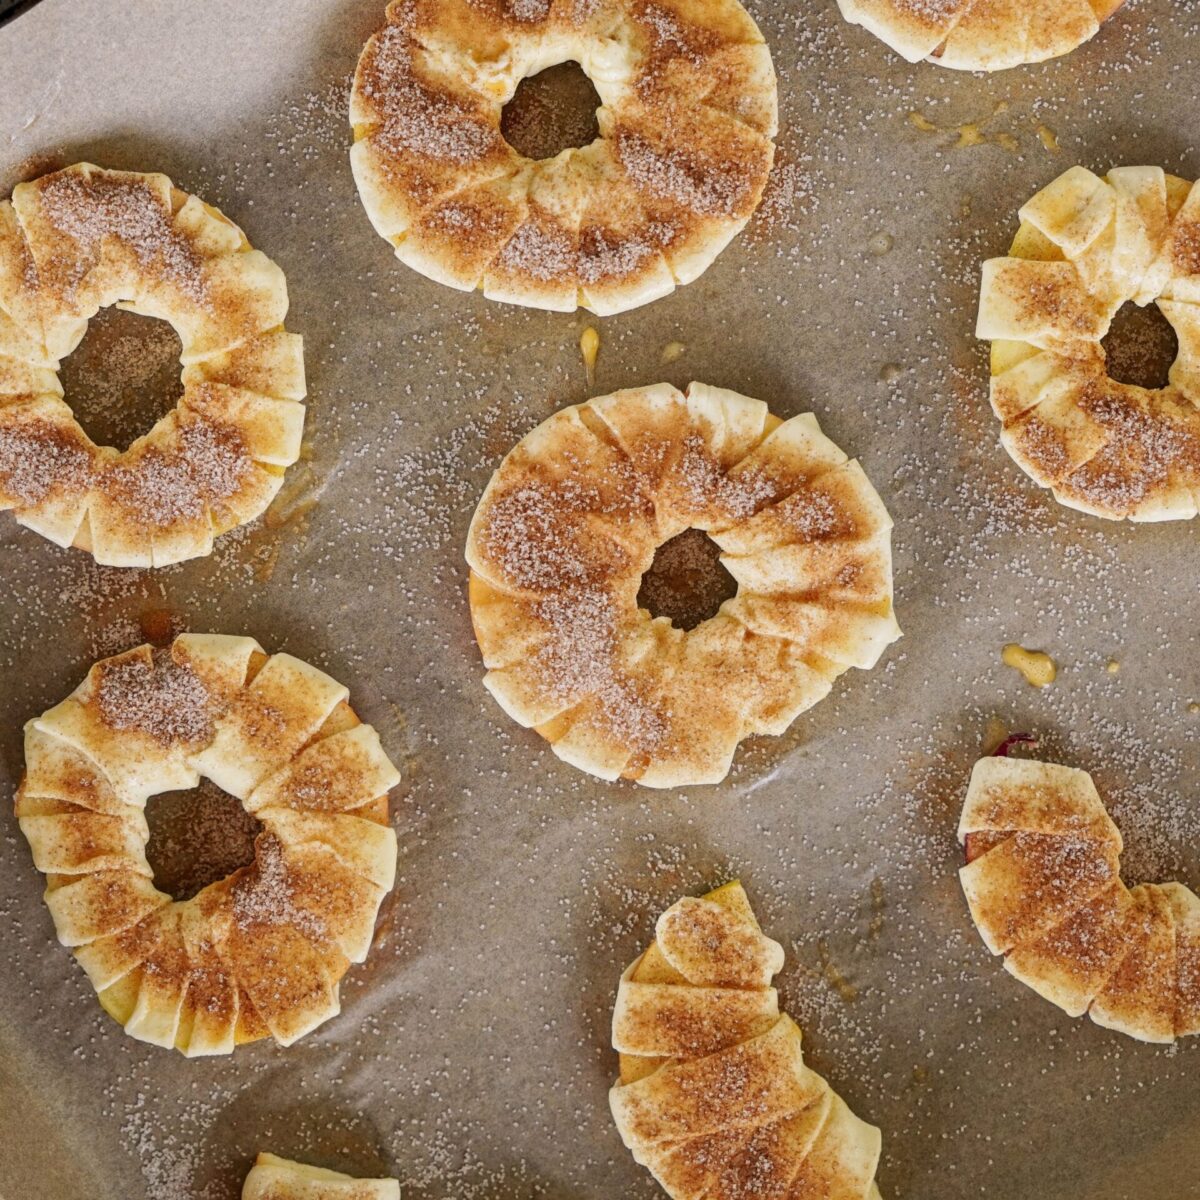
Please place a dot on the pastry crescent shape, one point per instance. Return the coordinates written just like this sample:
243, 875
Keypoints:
714, 1096
1043, 884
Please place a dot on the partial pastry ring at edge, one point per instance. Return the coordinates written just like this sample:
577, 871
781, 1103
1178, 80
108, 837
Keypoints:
77, 240
1086, 246
275, 1178
687, 122
981, 35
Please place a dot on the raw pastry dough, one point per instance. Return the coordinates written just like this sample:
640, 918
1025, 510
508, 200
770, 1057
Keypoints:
569, 524
1085, 247
687, 120
981, 35
274, 1178
1043, 884
263, 950
714, 1095
78, 240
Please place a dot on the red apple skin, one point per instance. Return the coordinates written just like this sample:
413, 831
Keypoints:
981, 841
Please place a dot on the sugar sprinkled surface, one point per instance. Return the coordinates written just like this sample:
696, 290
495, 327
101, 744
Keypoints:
417, 115
162, 698
524, 888
197, 837
90, 210
268, 893
173, 482
40, 458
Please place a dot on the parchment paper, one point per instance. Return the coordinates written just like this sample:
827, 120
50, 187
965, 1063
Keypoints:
471, 1058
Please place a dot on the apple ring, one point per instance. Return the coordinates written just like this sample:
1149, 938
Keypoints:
1043, 884
569, 524
687, 120
981, 35
714, 1096
1087, 246
80, 239
263, 950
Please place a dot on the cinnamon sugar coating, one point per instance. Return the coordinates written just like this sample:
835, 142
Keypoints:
687, 120
80, 239
1086, 246
1044, 890
981, 35
714, 1096
261, 952
570, 523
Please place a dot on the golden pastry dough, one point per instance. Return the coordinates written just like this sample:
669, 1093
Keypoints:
981, 35
1043, 884
274, 1178
78, 240
714, 1096
263, 950
687, 120
1086, 246
569, 524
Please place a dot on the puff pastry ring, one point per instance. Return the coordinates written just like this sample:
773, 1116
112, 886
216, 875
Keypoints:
262, 951
687, 120
80, 239
571, 521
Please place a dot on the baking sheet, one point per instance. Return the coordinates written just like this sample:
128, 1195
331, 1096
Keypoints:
471, 1058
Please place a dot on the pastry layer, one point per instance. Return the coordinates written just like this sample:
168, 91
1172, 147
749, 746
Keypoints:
263, 950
